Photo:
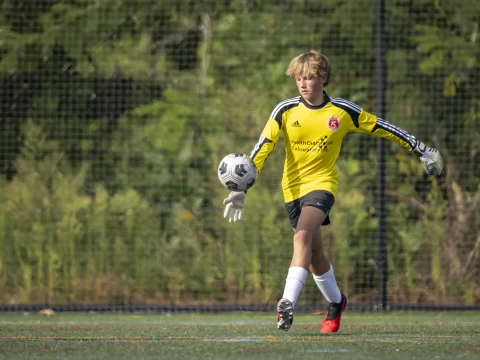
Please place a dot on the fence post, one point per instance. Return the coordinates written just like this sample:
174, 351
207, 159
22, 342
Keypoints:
380, 74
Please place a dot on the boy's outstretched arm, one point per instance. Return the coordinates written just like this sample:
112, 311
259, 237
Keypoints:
366, 123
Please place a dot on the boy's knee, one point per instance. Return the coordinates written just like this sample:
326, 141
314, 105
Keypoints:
302, 237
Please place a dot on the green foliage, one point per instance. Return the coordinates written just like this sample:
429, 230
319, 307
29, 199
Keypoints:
63, 238
115, 114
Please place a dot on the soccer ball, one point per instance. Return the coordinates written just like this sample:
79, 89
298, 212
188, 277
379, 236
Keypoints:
237, 172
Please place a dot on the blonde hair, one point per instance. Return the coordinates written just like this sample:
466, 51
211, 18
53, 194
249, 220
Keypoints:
311, 63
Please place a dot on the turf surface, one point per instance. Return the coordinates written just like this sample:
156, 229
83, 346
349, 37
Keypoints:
402, 335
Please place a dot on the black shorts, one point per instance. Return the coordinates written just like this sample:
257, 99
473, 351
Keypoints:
320, 199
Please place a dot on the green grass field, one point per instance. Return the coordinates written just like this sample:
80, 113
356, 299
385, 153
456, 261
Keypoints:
401, 335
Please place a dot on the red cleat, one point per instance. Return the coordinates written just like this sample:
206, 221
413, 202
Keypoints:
331, 323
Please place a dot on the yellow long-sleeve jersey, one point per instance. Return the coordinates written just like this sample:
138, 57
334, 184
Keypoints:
313, 138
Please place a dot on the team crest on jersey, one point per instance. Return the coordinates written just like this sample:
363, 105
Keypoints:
333, 123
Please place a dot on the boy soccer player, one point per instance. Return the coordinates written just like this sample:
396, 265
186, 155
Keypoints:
314, 126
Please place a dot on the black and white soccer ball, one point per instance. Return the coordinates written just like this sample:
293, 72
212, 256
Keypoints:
237, 172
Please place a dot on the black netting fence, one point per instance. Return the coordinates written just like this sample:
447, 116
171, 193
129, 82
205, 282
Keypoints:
114, 115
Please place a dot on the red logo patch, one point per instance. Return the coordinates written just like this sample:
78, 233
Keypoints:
333, 123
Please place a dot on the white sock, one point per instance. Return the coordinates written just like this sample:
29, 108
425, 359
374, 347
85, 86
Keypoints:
294, 283
328, 286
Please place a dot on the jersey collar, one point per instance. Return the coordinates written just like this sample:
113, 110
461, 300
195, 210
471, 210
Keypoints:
326, 100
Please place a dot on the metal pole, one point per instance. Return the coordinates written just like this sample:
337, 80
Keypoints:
381, 208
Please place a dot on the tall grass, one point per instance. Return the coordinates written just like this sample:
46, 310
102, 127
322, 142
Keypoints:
60, 245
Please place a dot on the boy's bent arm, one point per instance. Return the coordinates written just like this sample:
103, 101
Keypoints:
265, 144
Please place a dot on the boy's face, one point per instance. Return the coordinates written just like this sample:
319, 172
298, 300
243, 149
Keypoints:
311, 88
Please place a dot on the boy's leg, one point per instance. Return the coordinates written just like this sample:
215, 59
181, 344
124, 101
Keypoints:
324, 277
322, 271
309, 220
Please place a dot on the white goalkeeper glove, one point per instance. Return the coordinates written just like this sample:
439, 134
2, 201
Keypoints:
234, 205
430, 158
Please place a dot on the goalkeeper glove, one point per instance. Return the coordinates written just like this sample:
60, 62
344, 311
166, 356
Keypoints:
430, 158
234, 205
